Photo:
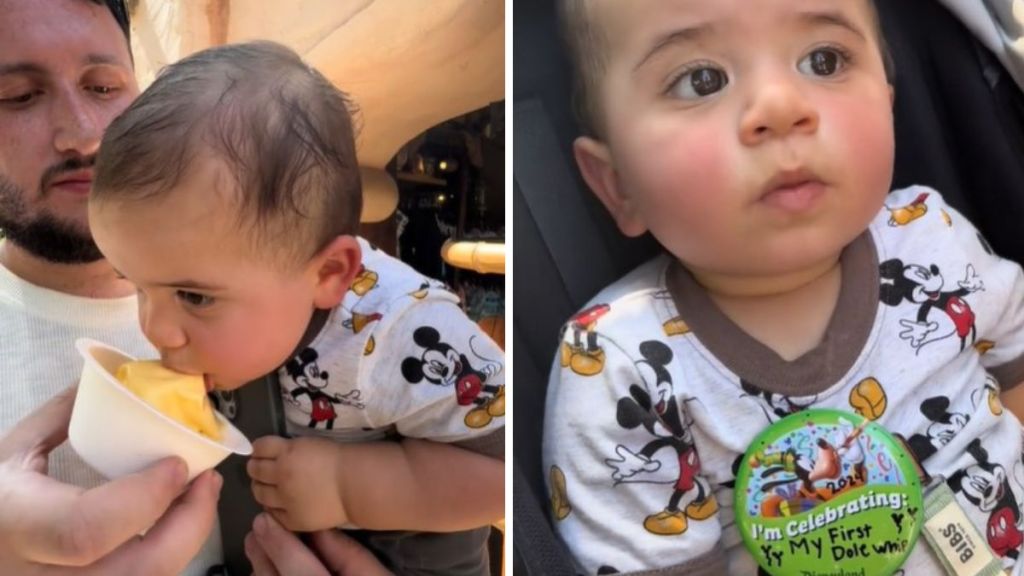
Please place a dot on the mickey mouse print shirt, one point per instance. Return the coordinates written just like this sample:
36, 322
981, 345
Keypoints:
655, 395
398, 357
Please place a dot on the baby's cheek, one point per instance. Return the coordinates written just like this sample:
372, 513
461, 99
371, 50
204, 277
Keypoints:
867, 143
684, 169
224, 352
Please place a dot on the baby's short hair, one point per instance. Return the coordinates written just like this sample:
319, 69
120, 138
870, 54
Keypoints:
283, 131
587, 48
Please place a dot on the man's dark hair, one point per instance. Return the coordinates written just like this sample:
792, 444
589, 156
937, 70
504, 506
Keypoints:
282, 130
120, 12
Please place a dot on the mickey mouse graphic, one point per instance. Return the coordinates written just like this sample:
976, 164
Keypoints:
781, 405
585, 358
987, 486
945, 425
662, 418
310, 381
923, 286
443, 365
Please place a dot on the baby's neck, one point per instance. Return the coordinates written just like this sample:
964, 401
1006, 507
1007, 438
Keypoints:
789, 314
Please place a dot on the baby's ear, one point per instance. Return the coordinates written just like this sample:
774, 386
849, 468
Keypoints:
335, 267
595, 162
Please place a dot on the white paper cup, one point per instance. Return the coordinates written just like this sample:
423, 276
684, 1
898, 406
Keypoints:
117, 433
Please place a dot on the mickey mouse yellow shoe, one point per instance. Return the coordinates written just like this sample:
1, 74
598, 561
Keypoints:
666, 523
478, 418
560, 507
496, 407
703, 509
587, 363
566, 355
364, 282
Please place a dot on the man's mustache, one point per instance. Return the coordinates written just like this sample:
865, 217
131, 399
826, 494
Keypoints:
72, 164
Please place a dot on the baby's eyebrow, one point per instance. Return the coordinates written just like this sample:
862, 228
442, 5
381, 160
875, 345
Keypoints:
694, 33
686, 35
831, 18
190, 285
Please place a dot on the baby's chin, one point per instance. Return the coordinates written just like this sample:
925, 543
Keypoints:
769, 270
219, 384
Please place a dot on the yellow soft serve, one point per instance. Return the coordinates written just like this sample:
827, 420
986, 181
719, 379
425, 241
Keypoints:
178, 396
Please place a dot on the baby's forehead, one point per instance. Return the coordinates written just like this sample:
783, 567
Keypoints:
613, 18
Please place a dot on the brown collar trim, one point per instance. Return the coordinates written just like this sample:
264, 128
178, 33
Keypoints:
817, 370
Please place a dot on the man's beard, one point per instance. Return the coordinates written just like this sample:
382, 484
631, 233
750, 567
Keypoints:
42, 235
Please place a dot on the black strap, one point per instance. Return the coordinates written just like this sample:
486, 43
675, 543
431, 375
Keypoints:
256, 410
555, 203
537, 549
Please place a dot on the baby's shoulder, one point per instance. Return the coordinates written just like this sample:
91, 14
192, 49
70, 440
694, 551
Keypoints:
623, 305
384, 281
917, 222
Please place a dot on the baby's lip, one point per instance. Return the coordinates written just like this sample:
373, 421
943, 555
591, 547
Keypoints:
790, 178
208, 381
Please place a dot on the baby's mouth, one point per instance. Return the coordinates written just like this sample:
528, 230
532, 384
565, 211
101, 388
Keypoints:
793, 190
208, 381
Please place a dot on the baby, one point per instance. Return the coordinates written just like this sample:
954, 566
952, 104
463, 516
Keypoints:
754, 141
229, 194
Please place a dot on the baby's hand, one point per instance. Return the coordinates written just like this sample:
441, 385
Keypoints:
296, 481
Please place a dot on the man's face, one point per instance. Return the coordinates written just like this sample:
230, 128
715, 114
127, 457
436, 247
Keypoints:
750, 137
65, 73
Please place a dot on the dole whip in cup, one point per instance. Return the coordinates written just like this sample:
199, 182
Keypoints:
181, 397
119, 431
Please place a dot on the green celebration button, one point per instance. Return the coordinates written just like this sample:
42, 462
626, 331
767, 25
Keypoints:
826, 492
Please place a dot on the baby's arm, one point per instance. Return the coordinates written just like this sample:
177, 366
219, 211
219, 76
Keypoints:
626, 487
434, 375
312, 483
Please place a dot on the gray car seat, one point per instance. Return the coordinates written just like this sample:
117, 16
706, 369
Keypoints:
959, 128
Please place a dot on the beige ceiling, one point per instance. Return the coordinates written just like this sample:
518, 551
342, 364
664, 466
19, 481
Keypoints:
407, 64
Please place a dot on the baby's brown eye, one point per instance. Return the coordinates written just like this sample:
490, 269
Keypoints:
699, 83
823, 62
194, 299
707, 81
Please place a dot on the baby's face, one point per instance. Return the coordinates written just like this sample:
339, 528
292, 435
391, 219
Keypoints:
751, 137
205, 302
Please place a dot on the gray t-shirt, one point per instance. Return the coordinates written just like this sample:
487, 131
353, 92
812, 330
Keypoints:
38, 329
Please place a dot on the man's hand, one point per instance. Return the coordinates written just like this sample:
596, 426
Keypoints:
297, 481
275, 551
47, 527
